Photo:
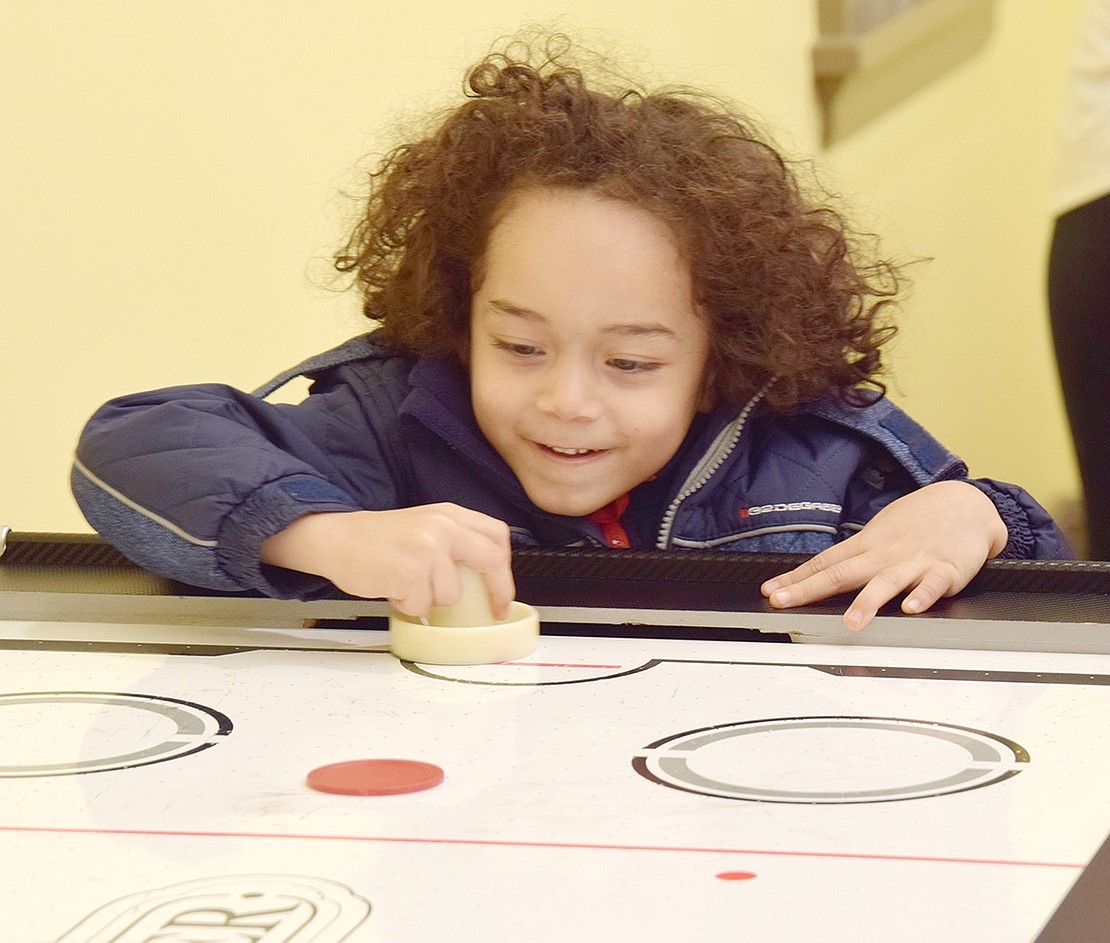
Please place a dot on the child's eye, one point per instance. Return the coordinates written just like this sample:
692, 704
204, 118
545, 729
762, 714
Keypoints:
633, 366
521, 350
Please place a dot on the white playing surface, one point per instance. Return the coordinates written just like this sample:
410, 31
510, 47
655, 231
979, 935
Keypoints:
602, 789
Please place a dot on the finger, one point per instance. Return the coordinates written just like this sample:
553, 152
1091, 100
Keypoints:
476, 522
790, 577
486, 548
445, 586
494, 564
878, 591
940, 580
502, 590
419, 580
839, 576
502, 583
811, 567
925, 589
415, 604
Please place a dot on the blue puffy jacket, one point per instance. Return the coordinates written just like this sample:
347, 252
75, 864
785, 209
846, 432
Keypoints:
189, 481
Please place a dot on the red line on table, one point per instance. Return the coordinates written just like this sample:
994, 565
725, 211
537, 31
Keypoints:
551, 664
579, 846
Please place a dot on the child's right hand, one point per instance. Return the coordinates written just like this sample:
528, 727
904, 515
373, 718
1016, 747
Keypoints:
409, 556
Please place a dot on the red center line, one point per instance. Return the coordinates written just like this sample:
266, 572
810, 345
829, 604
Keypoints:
550, 664
573, 846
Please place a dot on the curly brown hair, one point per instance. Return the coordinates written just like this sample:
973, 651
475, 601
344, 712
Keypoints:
778, 274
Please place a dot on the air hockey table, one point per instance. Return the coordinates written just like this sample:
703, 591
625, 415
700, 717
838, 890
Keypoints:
675, 761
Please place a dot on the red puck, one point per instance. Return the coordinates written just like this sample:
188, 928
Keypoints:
375, 777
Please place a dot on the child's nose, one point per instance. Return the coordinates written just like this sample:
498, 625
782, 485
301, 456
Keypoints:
569, 392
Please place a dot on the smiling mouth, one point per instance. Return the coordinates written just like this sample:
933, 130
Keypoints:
570, 453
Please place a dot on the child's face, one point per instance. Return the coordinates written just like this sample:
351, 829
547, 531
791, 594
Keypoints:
587, 353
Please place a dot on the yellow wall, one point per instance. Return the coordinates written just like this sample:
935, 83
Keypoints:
961, 174
168, 178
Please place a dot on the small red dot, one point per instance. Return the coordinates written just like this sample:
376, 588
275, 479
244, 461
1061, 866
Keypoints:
736, 875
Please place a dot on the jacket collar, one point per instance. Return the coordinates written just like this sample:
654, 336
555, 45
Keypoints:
439, 400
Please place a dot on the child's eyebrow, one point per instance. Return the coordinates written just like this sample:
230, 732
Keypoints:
629, 329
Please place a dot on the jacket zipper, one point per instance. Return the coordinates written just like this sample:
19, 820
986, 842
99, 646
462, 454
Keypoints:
713, 459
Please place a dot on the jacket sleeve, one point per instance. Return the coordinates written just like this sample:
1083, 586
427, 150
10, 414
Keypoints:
910, 458
189, 481
1034, 535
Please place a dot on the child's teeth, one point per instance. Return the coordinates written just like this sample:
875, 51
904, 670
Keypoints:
555, 448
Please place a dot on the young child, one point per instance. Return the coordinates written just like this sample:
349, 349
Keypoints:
606, 319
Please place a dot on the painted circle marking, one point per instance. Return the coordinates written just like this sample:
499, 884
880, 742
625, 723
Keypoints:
64, 733
830, 760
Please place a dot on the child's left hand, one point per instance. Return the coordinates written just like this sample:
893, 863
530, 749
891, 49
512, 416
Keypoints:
930, 542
